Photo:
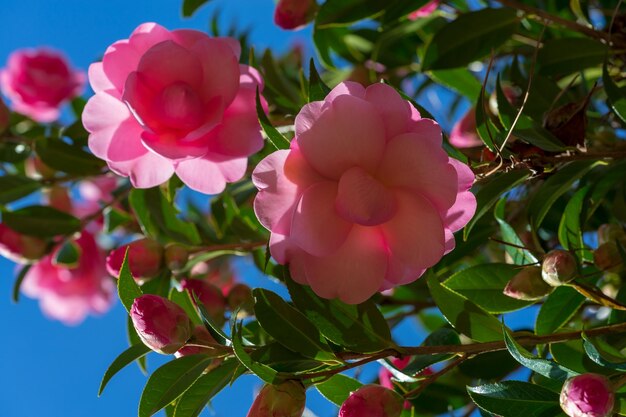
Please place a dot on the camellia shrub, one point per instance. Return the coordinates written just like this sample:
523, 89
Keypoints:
336, 178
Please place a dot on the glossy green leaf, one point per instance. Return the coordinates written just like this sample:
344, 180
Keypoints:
616, 95
564, 56
193, 401
483, 285
41, 221
489, 193
169, 381
456, 45
290, 327
317, 89
19, 279
516, 399
570, 228
515, 250
68, 158
440, 337
489, 133
14, 187
134, 339
67, 255
604, 354
261, 370
464, 315
12, 152
281, 359
127, 288
337, 388
558, 309
545, 367
191, 6
360, 328
554, 187
128, 356
540, 137
183, 299
274, 136
460, 80
213, 328
113, 218
345, 12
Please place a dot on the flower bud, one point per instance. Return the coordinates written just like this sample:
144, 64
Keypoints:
372, 400
20, 248
527, 285
610, 233
209, 295
161, 324
559, 267
144, 258
294, 14
607, 257
176, 257
4, 116
587, 395
35, 168
425, 11
200, 336
240, 296
286, 399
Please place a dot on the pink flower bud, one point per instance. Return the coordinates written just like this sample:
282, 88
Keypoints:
209, 295
176, 257
286, 399
161, 324
144, 258
240, 296
527, 284
200, 336
425, 11
607, 257
4, 116
559, 267
464, 133
372, 401
294, 14
20, 248
587, 395
610, 233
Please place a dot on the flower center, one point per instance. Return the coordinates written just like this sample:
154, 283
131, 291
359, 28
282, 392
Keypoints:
364, 200
179, 107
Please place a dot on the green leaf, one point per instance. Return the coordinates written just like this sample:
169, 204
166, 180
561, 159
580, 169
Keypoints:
15, 294
554, 187
281, 359
470, 37
337, 388
558, 309
440, 337
460, 80
463, 314
113, 218
547, 368
515, 399
13, 152
483, 285
519, 255
570, 229
68, 158
169, 382
67, 255
564, 56
540, 137
191, 403
41, 221
128, 356
604, 354
14, 187
127, 288
274, 136
290, 327
488, 194
212, 327
261, 370
191, 6
616, 95
489, 133
345, 12
158, 217
183, 299
360, 328
134, 339
317, 89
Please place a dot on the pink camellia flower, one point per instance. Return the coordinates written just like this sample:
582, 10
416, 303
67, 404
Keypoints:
366, 198
209, 295
161, 324
372, 401
464, 133
69, 294
286, 399
39, 81
20, 248
587, 395
425, 11
294, 14
145, 257
174, 101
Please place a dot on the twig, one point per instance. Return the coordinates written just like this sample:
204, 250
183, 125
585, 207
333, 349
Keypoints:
432, 378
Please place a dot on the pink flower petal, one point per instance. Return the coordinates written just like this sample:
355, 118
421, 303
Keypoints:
210, 173
348, 133
99, 81
220, 69
352, 273
162, 64
396, 111
149, 170
346, 88
316, 227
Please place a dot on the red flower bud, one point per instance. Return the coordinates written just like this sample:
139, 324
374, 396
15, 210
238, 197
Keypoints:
559, 267
527, 285
240, 296
200, 336
587, 395
20, 248
283, 400
610, 233
372, 401
607, 257
144, 258
294, 14
161, 324
176, 257
209, 295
